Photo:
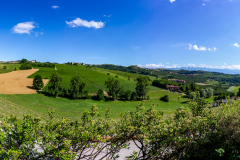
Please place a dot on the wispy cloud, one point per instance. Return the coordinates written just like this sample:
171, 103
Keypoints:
236, 45
24, 27
55, 7
107, 15
136, 47
38, 33
200, 48
78, 22
172, 1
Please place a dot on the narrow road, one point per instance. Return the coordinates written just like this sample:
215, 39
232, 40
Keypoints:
230, 89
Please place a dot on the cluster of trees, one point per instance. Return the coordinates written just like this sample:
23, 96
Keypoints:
163, 83
195, 132
188, 87
47, 64
226, 95
115, 90
203, 93
56, 88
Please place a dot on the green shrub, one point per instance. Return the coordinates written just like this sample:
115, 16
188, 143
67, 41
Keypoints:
165, 98
100, 95
4, 67
38, 82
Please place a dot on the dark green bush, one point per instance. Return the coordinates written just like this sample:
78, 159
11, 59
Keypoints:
165, 98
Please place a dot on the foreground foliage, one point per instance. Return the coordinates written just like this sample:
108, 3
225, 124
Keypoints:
197, 132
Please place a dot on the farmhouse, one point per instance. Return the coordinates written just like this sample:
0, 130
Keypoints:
177, 80
173, 88
14, 61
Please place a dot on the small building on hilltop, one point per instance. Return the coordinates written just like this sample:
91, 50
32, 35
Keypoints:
173, 88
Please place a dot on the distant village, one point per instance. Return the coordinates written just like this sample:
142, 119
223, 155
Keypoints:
32, 61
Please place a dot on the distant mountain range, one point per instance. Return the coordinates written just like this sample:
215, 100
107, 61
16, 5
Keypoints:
226, 71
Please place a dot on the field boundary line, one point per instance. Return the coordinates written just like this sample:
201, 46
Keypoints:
92, 83
16, 105
11, 103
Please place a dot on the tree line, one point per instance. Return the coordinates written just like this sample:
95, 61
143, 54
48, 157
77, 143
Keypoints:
77, 88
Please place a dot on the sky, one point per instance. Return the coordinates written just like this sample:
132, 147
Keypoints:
147, 33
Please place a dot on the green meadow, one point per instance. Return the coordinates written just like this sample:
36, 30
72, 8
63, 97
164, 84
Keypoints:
73, 109
10, 67
95, 78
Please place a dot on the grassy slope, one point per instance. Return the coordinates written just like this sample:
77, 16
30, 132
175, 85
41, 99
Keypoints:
235, 89
73, 109
95, 75
10, 67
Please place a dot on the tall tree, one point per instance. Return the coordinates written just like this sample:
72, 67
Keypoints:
141, 88
24, 60
55, 86
38, 82
76, 87
114, 88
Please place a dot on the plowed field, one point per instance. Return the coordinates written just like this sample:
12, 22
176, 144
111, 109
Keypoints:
16, 82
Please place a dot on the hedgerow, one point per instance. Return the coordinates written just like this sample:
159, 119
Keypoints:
196, 132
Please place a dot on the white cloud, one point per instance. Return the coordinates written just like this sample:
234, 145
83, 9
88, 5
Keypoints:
172, 1
80, 22
200, 48
203, 4
191, 65
160, 65
190, 47
55, 7
236, 45
24, 27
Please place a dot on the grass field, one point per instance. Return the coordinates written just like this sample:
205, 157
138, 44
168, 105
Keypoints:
93, 77
73, 109
213, 82
10, 67
235, 89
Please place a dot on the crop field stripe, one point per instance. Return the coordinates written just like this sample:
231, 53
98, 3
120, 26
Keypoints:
91, 82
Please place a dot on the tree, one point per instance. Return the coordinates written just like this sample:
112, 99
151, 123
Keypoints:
24, 60
127, 95
193, 86
133, 96
55, 87
182, 88
4, 67
114, 88
25, 66
76, 87
238, 94
165, 98
38, 82
100, 95
141, 88
209, 92
203, 93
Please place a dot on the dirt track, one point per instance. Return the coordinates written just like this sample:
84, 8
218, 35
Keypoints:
16, 82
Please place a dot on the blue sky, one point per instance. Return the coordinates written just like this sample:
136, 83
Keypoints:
148, 33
